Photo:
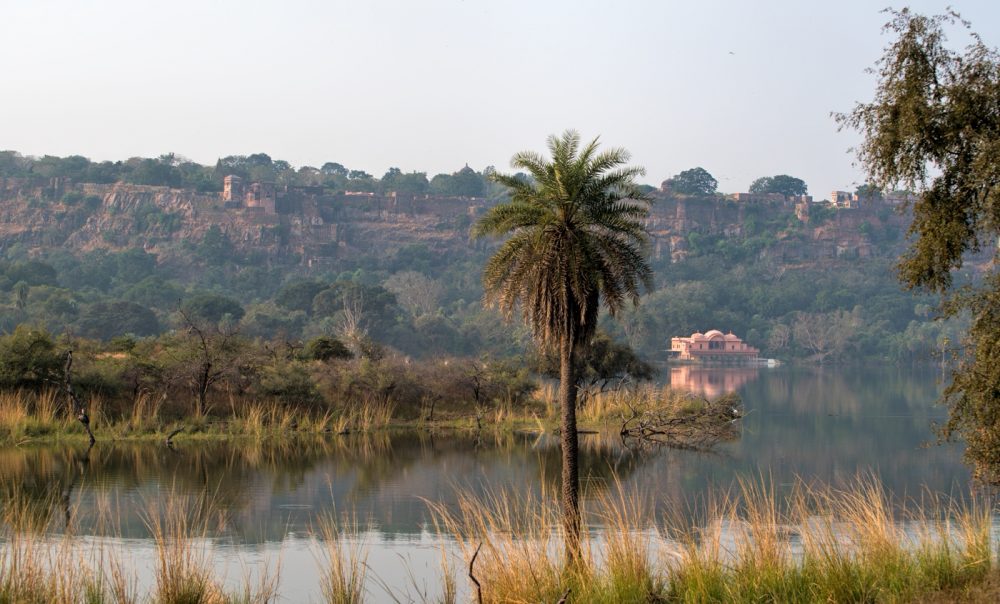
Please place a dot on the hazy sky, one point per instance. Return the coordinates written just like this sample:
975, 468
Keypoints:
743, 89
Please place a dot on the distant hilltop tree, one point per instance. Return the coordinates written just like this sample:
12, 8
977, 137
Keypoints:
696, 181
781, 184
466, 183
414, 183
869, 191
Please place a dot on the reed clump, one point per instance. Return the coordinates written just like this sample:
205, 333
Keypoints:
829, 545
815, 544
758, 543
370, 413
520, 553
36, 570
180, 527
342, 557
25, 415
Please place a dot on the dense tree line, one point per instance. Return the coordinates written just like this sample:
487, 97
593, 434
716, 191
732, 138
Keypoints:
422, 303
171, 170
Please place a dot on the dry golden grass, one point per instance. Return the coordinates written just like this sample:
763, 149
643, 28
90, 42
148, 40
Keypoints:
373, 413
342, 558
813, 545
598, 407
520, 553
855, 546
756, 544
180, 527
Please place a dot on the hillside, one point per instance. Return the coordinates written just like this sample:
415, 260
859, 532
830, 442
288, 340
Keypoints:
764, 269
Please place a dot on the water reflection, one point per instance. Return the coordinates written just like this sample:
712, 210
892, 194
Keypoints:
711, 382
817, 425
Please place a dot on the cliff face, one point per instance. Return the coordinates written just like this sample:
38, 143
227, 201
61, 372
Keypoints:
791, 233
313, 227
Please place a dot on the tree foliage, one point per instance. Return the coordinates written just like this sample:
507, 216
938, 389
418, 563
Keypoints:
782, 184
934, 128
105, 320
696, 181
28, 359
325, 348
603, 362
212, 308
466, 182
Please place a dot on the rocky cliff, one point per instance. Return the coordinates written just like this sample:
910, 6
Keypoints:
311, 226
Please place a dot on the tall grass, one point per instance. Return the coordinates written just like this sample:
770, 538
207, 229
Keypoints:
25, 415
180, 528
342, 558
372, 413
520, 553
756, 544
813, 545
854, 545
599, 406
29, 415
144, 416
32, 570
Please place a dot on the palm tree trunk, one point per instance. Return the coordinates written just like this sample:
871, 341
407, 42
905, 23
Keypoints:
570, 452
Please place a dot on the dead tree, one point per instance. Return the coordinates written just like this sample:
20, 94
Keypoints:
210, 345
697, 428
73, 403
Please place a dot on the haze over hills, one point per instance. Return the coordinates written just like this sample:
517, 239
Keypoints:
107, 249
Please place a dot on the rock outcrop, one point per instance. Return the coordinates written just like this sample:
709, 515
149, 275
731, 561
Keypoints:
311, 226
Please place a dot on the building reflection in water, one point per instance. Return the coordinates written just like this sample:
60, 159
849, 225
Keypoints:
711, 382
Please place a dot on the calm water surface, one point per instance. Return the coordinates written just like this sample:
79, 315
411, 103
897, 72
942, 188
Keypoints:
824, 425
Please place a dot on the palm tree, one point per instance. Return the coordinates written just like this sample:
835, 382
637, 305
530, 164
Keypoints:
577, 239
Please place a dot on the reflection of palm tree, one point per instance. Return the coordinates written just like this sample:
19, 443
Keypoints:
603, 461
576, 237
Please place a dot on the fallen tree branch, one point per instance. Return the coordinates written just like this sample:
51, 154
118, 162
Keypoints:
698, 425
169, 440
472, 564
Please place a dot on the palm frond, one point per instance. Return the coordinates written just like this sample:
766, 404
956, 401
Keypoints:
577, 239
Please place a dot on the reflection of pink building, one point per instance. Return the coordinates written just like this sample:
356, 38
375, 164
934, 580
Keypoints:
711, 382
713, 347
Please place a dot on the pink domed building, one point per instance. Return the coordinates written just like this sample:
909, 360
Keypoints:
712, 347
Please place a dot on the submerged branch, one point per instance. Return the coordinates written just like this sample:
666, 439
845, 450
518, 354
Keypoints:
699, 425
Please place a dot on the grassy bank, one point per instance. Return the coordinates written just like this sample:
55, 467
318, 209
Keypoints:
27, 416
812, 544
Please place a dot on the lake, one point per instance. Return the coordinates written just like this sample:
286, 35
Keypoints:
826, 425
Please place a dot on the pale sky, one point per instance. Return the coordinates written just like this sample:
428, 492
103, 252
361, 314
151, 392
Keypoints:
741, 88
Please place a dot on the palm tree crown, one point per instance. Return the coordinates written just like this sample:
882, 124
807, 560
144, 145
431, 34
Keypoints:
577, 239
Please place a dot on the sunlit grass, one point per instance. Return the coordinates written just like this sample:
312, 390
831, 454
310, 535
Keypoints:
756, 544
25, 415
33, 417
342, 557
29, 416
854, 546
813, 545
